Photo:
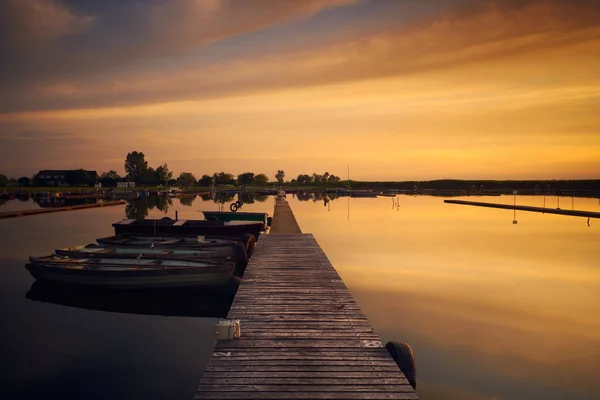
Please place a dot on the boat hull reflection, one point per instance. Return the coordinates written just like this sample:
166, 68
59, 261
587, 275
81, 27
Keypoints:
188, 302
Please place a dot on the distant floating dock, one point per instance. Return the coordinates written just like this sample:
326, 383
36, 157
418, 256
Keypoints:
24, 213
302, 334
543, 210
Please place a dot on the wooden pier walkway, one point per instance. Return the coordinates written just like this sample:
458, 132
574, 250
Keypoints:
284, 221
302, 334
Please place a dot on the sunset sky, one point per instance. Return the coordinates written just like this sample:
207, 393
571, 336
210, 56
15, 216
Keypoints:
397, 89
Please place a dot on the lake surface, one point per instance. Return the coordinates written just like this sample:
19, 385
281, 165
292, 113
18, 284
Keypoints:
491, 309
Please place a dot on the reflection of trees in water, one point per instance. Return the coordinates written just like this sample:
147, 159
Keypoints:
138, 208
206, 197
261, 198
246, 197
187, 201
332, 196
162, 203
223, 198
48, 202
304, 196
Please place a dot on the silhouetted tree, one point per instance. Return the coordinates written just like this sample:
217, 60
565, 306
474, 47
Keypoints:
279, 176
247, 178
223, 178
23, 181
163, 174
3, 180
186, 179
109, 178
136, 165
261, 179
149, 177
206, 180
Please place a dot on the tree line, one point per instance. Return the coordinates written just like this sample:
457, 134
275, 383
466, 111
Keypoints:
137, 170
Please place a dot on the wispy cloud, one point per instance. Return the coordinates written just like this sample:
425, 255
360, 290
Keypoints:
123, 38
504, 29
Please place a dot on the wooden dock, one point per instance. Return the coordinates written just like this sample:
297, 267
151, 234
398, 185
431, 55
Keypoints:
284, 221
543, 210
24, 213
302, 334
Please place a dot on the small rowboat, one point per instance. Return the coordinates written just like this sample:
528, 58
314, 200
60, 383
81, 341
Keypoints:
232, 253
130, 273
168, 226
248, 241
225, 216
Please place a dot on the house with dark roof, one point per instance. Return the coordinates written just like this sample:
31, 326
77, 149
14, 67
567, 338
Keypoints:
62, 177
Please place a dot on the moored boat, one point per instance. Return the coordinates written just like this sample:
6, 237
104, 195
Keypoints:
248, 241
167, 226
234, 252
130, 273
225, 216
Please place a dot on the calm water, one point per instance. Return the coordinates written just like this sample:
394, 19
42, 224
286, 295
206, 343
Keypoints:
491, 309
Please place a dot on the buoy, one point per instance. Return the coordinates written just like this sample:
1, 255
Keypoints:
405, 360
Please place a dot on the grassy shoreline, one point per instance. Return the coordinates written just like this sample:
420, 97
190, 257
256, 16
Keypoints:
439, 185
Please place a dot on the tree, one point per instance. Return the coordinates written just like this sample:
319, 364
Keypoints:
279, 176
149, 177
325, 176
206, 180
317, 178
304, 179
3, 180
186, 179
135, 165
110, 175
163, 174
261, 179
23, 181
223, 178
109, 178
247, 178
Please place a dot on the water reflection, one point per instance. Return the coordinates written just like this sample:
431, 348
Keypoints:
138, 208
183, 302
492, 309
187, 200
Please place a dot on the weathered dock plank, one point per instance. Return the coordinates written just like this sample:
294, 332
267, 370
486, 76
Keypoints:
303, 336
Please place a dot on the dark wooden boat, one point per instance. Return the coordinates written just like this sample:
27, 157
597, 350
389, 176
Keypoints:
247, 241
130, 273
168, 226
234, 253
226, 216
